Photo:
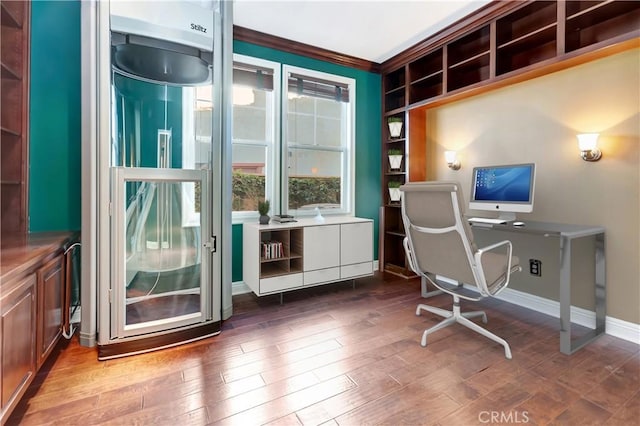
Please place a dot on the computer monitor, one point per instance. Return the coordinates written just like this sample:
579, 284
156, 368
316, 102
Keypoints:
506, 189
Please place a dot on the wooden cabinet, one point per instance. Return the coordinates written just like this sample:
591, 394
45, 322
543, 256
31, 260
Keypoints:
18, 350
33, 286
51, 288
500, 44
14, 62
307, 253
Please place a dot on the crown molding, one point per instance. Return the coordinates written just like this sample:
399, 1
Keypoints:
290, 46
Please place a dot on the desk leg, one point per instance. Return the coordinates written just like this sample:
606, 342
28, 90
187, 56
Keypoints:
425, 293
567, 345
565, 295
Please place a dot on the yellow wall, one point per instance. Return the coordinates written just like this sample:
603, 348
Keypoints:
537, 121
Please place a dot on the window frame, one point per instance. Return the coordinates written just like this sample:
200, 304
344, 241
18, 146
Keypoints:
272, 157
348, 136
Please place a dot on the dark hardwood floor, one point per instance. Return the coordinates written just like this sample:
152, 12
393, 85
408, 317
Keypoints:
334, 355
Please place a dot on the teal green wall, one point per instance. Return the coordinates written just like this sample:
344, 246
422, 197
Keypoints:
368, 136
54, 124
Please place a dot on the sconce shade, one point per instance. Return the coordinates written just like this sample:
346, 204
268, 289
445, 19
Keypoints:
588, 144
452, 161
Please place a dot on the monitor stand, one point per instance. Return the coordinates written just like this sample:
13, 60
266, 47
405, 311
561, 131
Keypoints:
507, 216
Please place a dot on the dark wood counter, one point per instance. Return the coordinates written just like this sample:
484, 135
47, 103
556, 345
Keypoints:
22, 253
33, 289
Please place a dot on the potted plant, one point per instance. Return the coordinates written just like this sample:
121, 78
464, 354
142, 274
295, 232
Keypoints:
394, 190
395, 158
395, 126
263, 209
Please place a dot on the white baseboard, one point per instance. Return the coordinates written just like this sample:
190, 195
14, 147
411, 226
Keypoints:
239, 287
613, 326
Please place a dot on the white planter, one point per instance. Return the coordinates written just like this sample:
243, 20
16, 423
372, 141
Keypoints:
395, 162
395, 129
394, 194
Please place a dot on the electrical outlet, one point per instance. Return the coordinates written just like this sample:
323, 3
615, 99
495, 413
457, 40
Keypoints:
535, 267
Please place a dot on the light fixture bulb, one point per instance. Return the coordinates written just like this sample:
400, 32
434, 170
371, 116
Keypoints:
588, 144
452, 161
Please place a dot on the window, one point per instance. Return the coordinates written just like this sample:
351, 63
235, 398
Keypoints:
319, 138
254, 154
314, 142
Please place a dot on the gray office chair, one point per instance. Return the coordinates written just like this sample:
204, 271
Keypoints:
439, 243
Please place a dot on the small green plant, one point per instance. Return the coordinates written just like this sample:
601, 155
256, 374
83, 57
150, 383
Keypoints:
394, 184
263, 207
394, 151
394, 120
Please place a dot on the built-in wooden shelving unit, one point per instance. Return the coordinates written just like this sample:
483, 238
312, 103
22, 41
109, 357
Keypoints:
501, 43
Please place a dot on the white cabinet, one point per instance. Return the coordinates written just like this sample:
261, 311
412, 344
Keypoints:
281, 257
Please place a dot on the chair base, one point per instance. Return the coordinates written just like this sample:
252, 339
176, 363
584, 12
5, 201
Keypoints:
462, 318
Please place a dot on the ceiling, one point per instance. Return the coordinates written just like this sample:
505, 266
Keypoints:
374, 30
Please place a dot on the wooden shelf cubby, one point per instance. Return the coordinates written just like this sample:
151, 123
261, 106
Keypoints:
394, 90
289, 259
592, 22
426, 76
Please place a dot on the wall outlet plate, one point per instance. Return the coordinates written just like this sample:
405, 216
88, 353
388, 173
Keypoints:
535, 267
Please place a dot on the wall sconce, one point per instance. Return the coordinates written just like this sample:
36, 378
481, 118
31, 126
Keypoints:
452, 161
588, 143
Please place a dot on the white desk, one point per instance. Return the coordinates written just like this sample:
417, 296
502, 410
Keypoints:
566, 235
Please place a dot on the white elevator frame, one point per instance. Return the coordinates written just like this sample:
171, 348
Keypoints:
96, 182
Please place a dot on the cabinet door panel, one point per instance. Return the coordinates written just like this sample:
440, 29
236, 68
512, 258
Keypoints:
18, 325
321, 247
50, 301
356, 243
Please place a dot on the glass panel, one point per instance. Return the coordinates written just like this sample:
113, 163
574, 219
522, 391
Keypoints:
315, 178
252, 144
250, 120
148, 125
249, 181
315, 121
162, 252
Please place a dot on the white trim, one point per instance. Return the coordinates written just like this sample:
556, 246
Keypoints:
348, 132
272, 131
239, 287
623, 329
613, 326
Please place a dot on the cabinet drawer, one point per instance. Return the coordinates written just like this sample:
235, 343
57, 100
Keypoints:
357, 270
283, 282
321, 276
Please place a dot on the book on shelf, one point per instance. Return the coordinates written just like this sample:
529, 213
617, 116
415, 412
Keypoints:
272, 250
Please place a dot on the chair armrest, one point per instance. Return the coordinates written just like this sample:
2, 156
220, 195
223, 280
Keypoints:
407, 250
478, 259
